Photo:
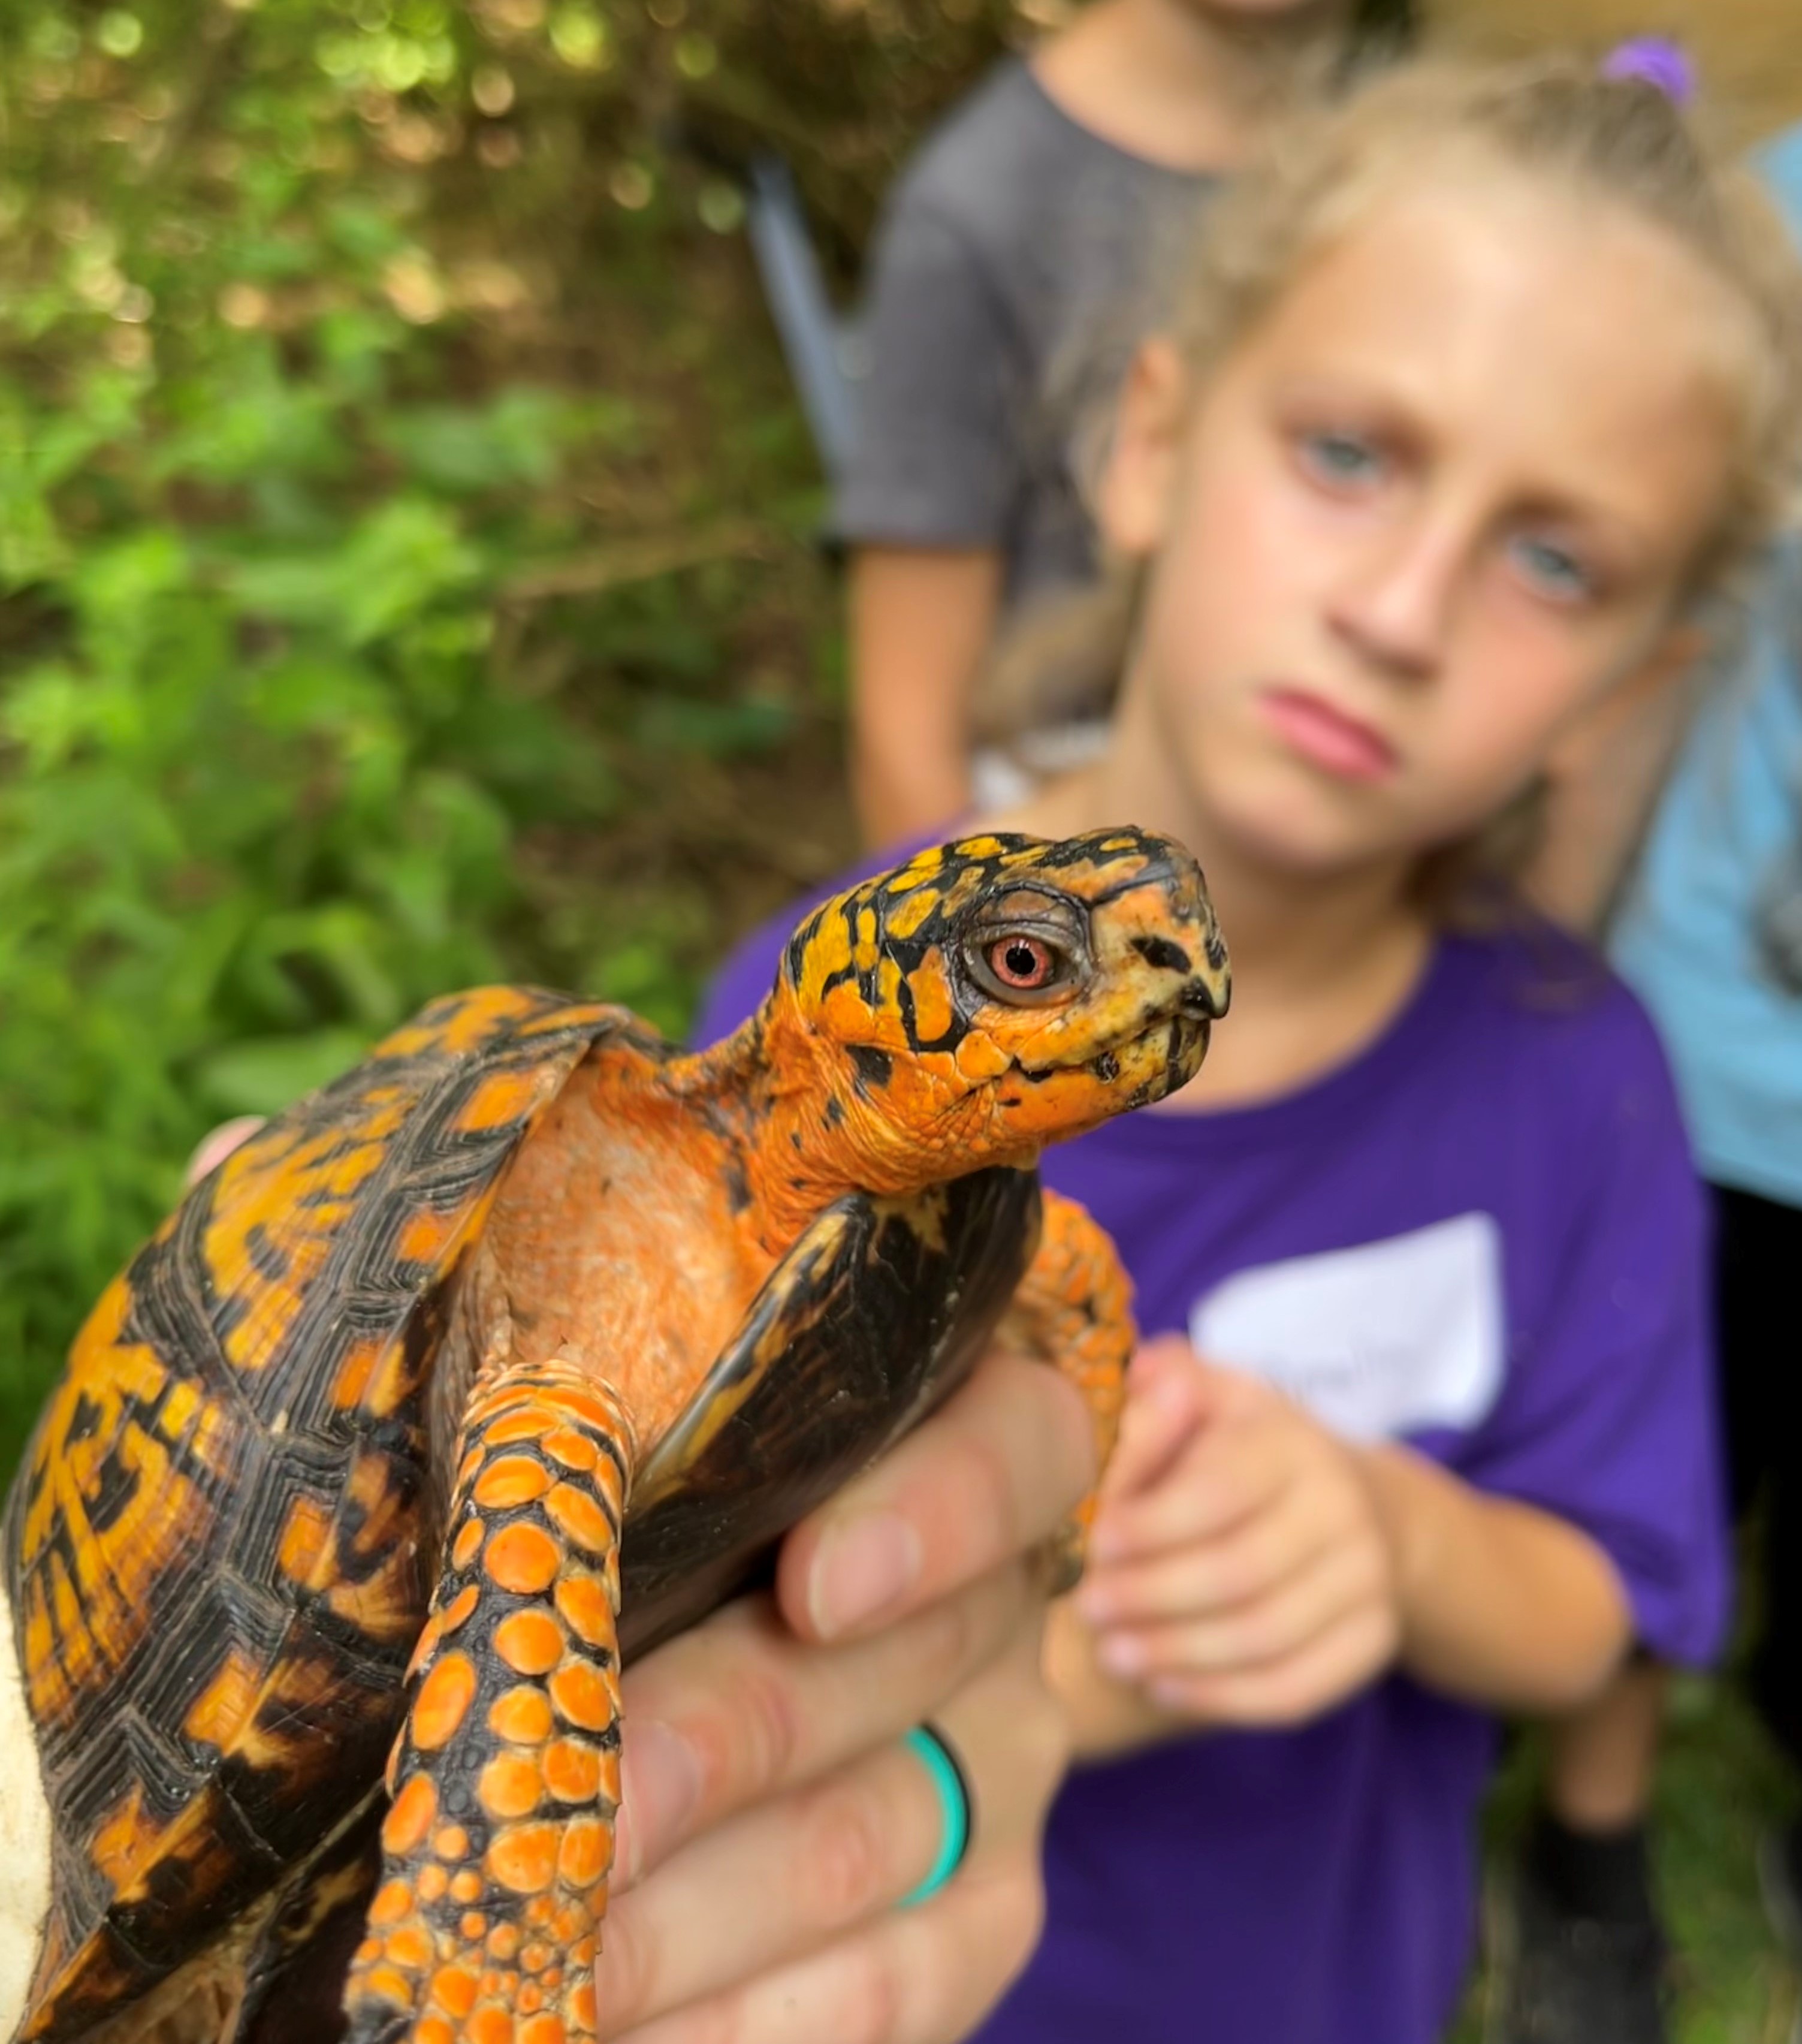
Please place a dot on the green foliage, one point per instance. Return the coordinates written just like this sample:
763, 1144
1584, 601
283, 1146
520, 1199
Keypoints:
261, 786
403, 563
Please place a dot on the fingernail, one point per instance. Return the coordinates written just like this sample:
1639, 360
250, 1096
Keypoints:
1121, 1654
660, 1785
862, 1569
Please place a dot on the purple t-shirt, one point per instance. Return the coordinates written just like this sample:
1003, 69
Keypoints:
1481, 1235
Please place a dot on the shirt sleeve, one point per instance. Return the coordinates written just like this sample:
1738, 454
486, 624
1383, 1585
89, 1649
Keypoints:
935, 459
1609, 1418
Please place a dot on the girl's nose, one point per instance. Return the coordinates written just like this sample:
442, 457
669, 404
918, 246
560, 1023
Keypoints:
1394, 605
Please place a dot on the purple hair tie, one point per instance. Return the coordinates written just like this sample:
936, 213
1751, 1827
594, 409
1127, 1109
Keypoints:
1658, 61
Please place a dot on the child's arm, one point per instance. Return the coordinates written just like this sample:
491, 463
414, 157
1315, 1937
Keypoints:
1499, 1602
1251, 1568
921, 620
1601, 793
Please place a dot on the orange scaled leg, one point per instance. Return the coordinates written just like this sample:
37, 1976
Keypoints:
1075, 1307
505, 1778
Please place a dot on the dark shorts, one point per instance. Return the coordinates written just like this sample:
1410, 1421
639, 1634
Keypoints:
1757, 1306
1758, 1259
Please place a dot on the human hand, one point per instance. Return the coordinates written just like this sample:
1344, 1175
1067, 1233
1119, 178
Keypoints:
216, 1145
771, 1819
1241, 1570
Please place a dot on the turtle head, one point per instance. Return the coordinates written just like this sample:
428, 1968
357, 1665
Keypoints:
997, 993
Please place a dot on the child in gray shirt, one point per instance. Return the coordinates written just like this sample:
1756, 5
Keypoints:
1016, 263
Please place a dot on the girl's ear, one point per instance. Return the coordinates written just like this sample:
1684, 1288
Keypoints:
1138, 484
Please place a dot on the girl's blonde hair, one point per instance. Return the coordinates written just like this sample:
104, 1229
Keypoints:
1618, 139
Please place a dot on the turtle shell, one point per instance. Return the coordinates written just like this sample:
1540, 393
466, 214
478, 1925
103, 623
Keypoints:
221, 1546
217, 1547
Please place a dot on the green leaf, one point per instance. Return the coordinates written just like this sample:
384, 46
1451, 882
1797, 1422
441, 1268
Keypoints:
265, 1075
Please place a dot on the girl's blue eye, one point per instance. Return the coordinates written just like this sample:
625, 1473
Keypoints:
1340, 460
1552, 570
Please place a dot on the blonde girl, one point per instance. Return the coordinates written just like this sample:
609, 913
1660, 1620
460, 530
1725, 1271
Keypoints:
1485, 383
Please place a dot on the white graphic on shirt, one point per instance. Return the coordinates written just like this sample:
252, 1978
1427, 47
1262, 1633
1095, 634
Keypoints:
1384, 1339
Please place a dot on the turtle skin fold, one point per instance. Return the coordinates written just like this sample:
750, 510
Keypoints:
495, 1362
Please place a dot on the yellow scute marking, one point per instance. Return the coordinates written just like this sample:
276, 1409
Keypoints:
385, 1603
99, 1613
226, 1701
265, 1193
306, 1534
125, 1841
424, 1236
594, 1014
478, 1014
507, 1096
352, 1380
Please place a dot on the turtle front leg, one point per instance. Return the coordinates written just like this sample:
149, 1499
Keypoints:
505, 1777
1075, 1307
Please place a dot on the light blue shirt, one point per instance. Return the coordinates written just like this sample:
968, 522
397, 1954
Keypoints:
1687, 938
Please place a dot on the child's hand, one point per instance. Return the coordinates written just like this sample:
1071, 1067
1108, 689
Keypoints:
1241, 1570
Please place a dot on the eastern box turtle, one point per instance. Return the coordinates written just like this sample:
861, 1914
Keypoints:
335, 1481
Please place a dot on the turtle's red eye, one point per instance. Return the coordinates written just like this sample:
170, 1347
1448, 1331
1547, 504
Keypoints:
1027, 949
1026, 962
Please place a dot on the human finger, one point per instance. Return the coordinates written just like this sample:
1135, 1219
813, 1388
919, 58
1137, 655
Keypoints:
925, 1976
784, 1879
991, 1477
1307, 1603
218, 1144
1166, 1402
1230, 1471
1294, 1689
1251, 1560
739, 1710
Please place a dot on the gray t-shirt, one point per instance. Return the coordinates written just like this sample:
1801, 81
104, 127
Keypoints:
1017, 260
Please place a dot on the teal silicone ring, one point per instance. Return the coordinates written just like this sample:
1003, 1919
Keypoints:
933, 1754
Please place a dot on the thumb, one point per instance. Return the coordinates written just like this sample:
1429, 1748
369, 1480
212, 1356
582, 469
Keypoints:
215, 1148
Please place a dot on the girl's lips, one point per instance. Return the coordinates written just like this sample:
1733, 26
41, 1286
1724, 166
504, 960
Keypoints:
1327, 737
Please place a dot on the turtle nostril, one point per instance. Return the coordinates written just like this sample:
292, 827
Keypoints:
1199, 998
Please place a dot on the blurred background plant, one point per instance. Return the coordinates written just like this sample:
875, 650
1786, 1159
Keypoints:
406, 562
